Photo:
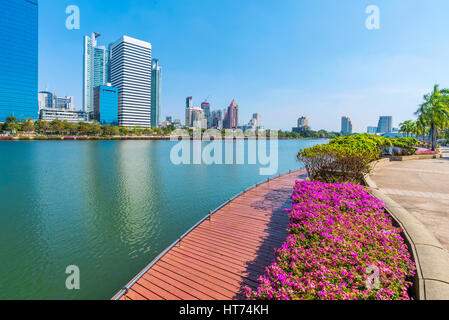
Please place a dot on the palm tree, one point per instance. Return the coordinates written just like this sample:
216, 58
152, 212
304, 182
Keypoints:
417, 129
407, 127
434, 112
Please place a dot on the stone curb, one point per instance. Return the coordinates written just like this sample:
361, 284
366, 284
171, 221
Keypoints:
415, 157
431, 259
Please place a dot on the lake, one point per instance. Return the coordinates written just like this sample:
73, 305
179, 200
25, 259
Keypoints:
108, 207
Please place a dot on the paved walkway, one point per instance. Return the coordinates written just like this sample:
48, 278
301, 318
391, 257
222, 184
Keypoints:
421, 187
220, 257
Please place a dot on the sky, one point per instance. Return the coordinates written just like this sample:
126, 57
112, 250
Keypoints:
283, 58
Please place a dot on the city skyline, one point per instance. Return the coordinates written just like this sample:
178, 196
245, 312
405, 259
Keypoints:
369, 73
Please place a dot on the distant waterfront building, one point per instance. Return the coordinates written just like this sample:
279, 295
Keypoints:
253, 124
74, 116
385, 124
188, 117
131, 74
346, 125
195, 118
303, 123
164, 124
189, 102
177, 123
64, 103
106, 105
199, 119
231, 118
256, 119
371, 130
96, 70
205, 106
45, 100
217, 119
393, 135
19, 59
49, 100
156, 80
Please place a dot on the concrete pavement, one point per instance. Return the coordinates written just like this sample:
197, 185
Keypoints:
422, 188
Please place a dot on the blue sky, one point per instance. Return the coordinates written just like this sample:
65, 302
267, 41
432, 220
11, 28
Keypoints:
283, 58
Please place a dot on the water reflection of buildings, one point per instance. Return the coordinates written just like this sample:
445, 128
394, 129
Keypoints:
138, 192
120, 192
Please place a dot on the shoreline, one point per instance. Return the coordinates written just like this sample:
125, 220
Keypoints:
119, 138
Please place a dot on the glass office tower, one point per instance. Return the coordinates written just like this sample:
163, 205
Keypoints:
96, 70
106, 105
156, 77
18, 59
385, 124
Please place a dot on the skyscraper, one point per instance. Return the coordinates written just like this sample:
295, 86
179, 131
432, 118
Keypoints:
195, 118
156, 79
205, 106
189, 103
131, 74
96, 70
231, 118
346, 125
385, 124
217, 119
19, 59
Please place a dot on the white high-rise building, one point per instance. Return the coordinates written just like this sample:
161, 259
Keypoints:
131, 74
95, 70
195, 118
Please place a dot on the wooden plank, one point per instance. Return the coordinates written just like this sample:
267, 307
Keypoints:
219, 257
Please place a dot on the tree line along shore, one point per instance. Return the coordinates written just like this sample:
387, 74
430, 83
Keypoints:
13, 129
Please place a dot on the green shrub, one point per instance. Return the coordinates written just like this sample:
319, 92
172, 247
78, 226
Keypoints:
405, 142
404, 146
365, 141
338, 162
347, 159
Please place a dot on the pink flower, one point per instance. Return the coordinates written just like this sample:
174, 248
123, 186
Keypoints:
337, 232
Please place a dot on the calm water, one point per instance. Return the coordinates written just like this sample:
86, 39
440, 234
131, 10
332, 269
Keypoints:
108, 207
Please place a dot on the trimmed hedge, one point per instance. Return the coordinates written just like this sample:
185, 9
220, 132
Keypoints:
337, 162
347, 159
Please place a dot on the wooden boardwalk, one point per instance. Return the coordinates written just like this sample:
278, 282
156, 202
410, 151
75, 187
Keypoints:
217, 258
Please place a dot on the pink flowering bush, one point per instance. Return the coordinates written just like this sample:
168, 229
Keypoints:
339, 234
